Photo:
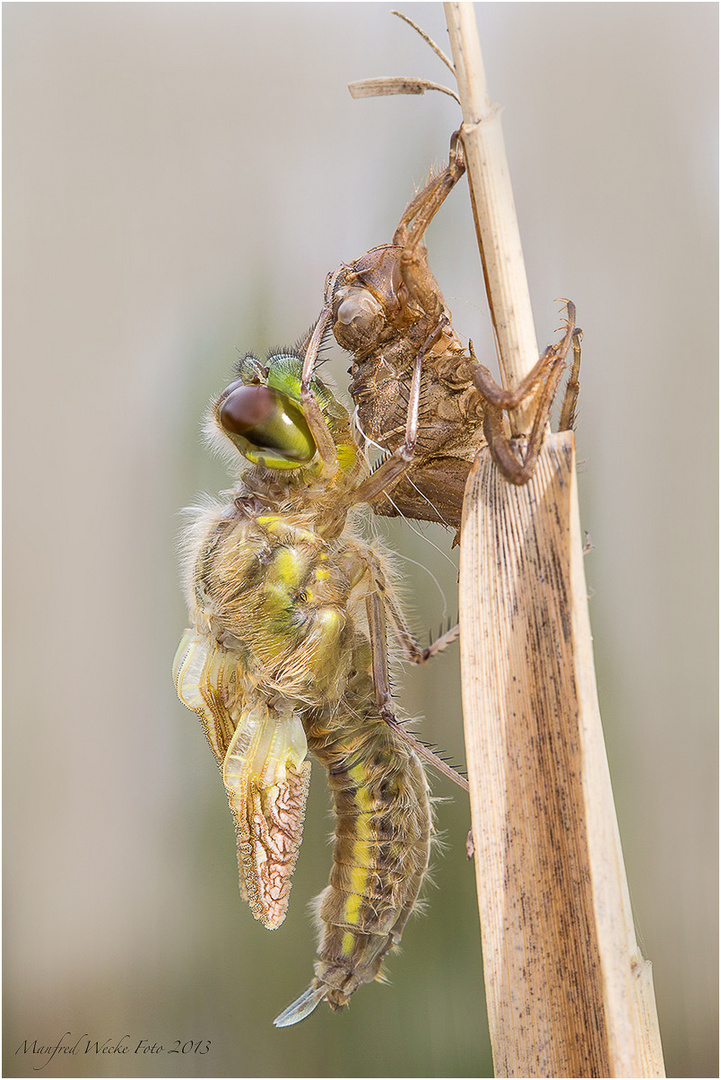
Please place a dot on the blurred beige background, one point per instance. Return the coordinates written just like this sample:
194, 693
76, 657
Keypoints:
178, 180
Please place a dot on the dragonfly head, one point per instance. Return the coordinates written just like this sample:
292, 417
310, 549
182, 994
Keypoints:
260, 412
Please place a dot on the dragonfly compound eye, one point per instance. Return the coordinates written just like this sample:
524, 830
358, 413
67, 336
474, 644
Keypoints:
267, 426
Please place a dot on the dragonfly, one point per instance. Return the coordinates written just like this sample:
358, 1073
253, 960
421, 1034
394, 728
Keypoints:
287, 653
387, 309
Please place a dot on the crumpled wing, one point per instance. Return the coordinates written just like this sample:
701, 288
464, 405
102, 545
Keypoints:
261, 751
208, 680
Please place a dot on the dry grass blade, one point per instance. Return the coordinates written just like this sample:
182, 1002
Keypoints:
568, 992
494, 210
396, 84
429, 40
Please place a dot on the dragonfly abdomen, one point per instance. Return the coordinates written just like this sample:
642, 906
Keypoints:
381, 852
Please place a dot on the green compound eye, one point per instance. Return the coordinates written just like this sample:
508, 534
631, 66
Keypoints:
267, 426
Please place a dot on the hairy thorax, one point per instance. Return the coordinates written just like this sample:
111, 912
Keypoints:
274, 590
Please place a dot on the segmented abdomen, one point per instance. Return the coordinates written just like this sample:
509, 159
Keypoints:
381, 851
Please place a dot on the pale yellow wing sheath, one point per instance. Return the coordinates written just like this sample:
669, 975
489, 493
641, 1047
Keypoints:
261, 752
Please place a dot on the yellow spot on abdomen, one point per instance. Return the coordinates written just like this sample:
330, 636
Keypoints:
352, 908
363, 797
363, 853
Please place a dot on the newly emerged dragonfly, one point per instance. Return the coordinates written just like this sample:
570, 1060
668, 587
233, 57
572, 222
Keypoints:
287, 653
387, 309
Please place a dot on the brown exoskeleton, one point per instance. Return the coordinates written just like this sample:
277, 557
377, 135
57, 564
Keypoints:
387, 310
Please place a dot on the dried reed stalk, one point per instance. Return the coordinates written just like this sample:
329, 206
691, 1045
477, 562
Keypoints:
568, 991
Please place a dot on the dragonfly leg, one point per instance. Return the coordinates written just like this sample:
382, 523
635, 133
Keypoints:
413, 262
390, 471
412, 650
423, 207
567, 421
542, 381
384, 698
311, 409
